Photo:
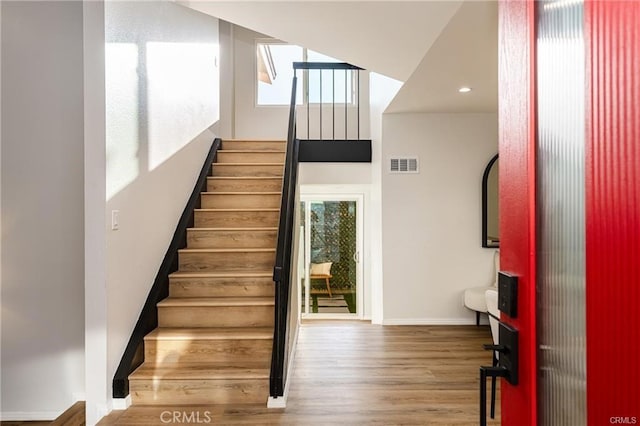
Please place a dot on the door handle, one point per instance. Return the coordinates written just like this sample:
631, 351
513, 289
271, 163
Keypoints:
356, 257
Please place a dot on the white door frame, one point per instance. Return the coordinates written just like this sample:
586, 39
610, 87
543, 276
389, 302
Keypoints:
357, 193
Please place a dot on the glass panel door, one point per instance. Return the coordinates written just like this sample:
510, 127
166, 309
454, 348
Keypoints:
331, 285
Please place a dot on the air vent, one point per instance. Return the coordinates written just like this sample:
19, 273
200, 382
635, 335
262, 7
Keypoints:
404, 165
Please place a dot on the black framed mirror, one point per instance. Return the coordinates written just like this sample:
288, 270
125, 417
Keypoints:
490, 205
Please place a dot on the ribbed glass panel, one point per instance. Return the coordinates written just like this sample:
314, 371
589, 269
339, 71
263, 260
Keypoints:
560, 213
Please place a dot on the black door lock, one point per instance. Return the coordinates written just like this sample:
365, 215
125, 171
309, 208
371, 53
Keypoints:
505, 364
508, 294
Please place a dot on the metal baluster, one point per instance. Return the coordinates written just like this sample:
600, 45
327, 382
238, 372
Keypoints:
333, 107
345, 104
307, 92
320, 71
358, 118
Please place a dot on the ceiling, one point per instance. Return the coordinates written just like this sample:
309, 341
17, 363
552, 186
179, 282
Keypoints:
465, 54
433, 46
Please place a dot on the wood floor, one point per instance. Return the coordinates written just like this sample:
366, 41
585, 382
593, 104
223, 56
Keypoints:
361, 374
74, 416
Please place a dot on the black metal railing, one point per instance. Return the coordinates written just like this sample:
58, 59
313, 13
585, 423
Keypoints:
351, 96
282, 269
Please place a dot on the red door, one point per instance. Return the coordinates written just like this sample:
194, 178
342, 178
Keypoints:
612, 208
613, 212
517, 195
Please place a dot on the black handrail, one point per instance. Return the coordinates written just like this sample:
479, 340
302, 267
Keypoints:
282, 269
324, 66
133, 355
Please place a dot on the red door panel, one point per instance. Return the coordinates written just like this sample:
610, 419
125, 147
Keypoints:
613, 212
517, 195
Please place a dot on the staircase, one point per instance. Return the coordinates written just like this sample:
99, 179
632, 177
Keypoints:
214, 338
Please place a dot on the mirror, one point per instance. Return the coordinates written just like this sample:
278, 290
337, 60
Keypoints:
490, 205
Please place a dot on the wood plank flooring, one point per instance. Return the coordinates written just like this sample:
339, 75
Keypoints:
74, 416
353, 373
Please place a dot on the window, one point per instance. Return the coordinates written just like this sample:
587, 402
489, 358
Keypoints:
275, 73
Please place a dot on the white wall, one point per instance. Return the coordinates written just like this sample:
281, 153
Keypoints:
226, 125
382, 90
431, 221
334, 173
250, 120
97, 394
162, 94
42, 209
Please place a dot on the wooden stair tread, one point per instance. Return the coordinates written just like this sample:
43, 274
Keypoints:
215, 301
201, 371
238, 210
264, 228
251, 151
248, 164
179, 274
227, 250
244, 177
242, 193
254, 140
217, 333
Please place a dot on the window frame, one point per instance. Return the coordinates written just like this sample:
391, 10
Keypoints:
305, 80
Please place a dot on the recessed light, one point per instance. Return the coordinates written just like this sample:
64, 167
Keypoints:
464, 89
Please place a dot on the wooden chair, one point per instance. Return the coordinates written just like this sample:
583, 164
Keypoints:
322, 271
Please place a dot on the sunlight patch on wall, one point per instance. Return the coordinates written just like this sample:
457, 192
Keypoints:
122, 125
182, 86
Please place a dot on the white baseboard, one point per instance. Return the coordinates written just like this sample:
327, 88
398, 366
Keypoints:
433, 321
95, 412
282, 401
38, 415
121, 403
8, 416
277, 402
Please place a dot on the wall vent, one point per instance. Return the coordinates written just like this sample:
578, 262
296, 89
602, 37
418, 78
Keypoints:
404, 165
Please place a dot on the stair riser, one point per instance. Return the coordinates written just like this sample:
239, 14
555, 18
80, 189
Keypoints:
244, 185
200, 238
240, 201
250, 157
226, 262
254, 145
222, 169
215, 316
192, 392
232, 351
208, 219
221, 287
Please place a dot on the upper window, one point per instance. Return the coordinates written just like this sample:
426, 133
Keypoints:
275, 74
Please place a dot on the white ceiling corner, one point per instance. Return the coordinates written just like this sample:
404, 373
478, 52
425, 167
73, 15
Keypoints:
465, 54
387, 37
